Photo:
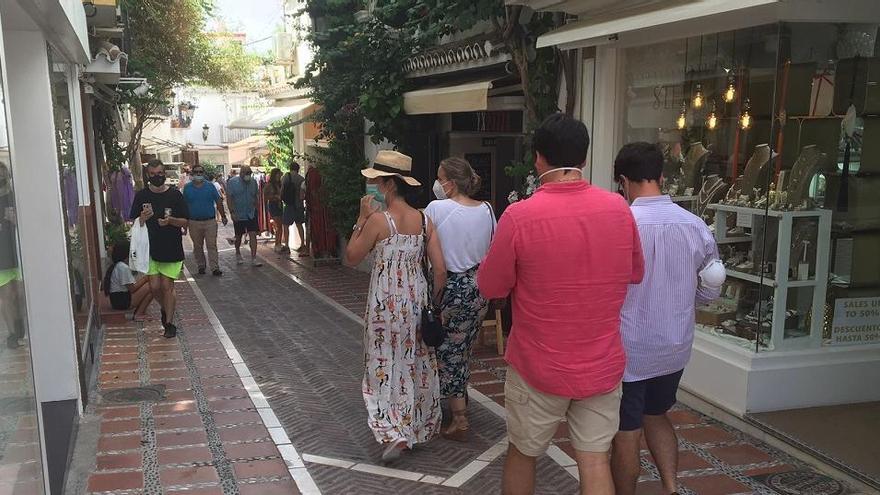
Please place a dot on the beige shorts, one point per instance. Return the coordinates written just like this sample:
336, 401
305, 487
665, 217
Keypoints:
533, 417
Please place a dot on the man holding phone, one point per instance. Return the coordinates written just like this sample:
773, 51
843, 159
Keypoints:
164, 211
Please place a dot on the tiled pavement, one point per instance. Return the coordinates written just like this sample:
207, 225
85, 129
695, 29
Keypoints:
204, 436
19, 438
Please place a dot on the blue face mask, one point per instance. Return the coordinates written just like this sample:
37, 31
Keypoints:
199, 178
373, 190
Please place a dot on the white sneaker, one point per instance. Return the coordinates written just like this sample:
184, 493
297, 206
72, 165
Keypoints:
255, 262
239, 260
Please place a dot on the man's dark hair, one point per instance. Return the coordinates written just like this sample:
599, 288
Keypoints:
639, 162
155, 162
562, 141
294, 166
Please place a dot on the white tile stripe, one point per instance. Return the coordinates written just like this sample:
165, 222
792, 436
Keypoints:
288, 452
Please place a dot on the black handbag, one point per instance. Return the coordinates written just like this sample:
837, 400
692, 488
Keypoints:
433, 332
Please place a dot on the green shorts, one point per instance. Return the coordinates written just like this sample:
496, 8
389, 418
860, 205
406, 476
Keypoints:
9, 275
170, 269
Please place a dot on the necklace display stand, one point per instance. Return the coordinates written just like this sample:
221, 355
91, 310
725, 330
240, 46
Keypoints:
801, 175
693, 165
755, 169
714, 188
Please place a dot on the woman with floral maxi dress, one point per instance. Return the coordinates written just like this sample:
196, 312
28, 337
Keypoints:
401, 388
463, 308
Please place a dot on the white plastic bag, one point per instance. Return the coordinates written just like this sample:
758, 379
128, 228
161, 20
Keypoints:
139, 252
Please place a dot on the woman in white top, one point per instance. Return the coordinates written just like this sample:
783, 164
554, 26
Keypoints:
465, 227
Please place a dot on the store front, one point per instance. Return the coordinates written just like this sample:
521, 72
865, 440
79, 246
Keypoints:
465, 102
49, 255
768, 114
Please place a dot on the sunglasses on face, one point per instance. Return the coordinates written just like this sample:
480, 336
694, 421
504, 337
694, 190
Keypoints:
198, 171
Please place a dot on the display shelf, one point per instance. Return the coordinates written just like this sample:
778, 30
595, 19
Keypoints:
734, 240
768, 281
748, 210
750, 277
779, 281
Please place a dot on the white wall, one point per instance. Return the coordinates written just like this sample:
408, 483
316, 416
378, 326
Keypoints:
213, 108
40, 221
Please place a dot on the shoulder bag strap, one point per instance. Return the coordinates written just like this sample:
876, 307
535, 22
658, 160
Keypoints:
493, 219
425, 268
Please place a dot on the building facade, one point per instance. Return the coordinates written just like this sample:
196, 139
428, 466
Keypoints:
49, 240
766, 112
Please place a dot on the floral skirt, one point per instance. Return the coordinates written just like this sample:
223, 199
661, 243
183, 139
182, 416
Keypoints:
463, 310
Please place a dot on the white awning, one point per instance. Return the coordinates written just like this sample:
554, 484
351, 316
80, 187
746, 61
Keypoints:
699, 17
264, 118
470, 97
679, 21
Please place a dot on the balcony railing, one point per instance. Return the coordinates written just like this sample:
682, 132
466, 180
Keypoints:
234, 135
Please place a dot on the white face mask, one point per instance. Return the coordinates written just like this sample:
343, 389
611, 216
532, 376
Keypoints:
573, 169
439, 192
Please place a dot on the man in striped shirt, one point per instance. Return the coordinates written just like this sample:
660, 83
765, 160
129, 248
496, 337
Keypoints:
657, 319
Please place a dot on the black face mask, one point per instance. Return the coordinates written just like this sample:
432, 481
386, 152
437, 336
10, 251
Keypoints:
157, 180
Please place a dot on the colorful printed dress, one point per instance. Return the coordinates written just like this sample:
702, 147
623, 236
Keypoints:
401, 387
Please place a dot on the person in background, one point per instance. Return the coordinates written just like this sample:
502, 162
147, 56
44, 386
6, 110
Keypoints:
565, 256
11, 289
120, 286
165, 213
184, 177
272, 194
294, 209
463, 309
204, 202
657, 321
400, 387
242, 194
215, 180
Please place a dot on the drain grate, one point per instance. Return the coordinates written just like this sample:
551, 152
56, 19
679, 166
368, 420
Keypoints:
804, 483
153, 393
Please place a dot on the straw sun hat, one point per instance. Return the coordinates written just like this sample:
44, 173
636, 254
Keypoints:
391, 163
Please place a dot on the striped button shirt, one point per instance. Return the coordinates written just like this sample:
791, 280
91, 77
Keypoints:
657, 319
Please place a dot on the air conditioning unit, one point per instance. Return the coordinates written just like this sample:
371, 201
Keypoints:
285, 49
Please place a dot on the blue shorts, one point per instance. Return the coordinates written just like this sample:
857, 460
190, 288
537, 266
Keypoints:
651, 397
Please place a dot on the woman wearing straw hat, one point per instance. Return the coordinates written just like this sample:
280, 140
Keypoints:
401, 388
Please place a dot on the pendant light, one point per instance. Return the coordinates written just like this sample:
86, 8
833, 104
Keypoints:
730, 94
712, 118
681, 121
698, 97
745, 119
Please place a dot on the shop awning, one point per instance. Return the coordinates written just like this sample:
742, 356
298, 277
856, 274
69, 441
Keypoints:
241, 151
264, 118
470, 97
676, 21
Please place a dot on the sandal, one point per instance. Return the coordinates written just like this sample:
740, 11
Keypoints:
394, 450
459, 429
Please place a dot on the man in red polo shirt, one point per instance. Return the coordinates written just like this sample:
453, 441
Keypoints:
566, 256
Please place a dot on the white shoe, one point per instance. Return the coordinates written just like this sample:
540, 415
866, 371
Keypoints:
239, 260
256, 262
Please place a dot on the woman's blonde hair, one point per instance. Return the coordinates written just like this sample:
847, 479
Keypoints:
459, 171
